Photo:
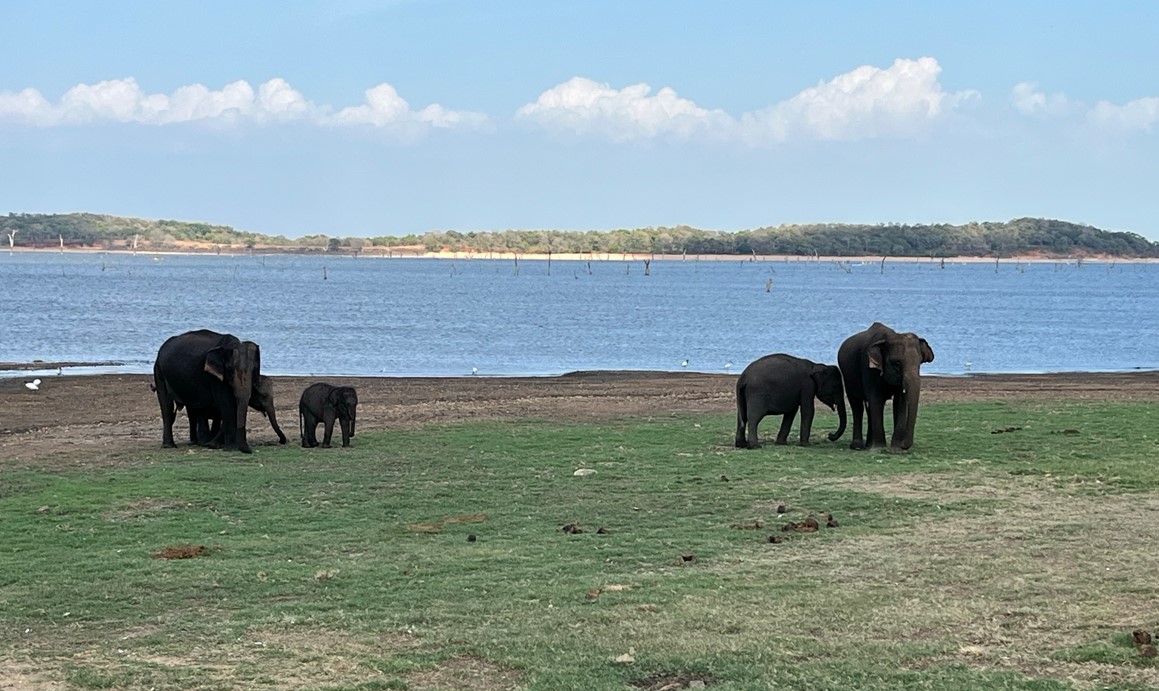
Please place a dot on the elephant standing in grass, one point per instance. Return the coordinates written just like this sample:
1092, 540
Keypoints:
781, 384
207, 371
879, 364
325, 403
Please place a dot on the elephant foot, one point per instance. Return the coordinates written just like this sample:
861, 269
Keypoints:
741, 444
325, 446
168, 445
857, 445
804, 442
754, 445
781, 442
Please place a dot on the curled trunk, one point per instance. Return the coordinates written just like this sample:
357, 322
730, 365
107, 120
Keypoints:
834, 436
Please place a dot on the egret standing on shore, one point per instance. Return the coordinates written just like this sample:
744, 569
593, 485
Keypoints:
684, 362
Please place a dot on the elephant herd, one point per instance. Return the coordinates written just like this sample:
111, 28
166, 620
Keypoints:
873, 366
217, 378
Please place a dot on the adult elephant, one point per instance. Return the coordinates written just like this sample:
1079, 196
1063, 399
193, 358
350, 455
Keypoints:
205, 425
207, 371
879, 364
780, 384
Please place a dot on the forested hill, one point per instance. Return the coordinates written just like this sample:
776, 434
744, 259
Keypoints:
1022, 236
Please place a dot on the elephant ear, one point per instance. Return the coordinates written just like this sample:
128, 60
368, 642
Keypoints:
926, 350
876, 354
334, 397
215, 362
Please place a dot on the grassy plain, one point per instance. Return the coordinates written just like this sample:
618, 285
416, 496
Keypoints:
1013, 548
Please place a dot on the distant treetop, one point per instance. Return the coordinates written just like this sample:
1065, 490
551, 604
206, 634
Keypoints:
1021, 236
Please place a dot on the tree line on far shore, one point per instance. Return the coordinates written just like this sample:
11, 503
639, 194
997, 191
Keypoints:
1021, 236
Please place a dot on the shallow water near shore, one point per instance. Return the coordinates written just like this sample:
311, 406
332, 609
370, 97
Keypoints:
337, 315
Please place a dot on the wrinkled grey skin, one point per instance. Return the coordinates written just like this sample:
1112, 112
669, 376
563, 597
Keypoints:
780, 384
879, 364
325, 403
205, 370
205, 425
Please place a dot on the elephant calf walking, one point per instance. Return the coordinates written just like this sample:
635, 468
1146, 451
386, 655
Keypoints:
780, 384
325, 403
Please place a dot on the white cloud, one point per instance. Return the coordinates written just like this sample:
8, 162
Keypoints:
1028, 100
1134, 116
1137, 115
385, 108
584, 106
123, 101
866, 102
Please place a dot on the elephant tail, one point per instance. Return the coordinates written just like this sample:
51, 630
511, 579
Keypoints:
741, 414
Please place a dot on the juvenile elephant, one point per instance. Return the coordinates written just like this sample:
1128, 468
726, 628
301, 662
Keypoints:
779, 384
325, 403
204, 370
878, 364
205, 425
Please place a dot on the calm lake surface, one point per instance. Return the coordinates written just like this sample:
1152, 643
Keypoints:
371, 316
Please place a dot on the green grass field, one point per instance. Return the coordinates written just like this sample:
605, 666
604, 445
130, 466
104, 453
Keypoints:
1016, 560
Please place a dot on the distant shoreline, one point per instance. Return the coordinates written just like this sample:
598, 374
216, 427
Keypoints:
388, 253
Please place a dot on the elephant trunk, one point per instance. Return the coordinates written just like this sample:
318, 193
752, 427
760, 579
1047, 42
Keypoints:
913, 394
242, 442
834, 436
274, 424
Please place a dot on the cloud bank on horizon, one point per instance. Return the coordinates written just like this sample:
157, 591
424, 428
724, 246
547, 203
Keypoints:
905, 99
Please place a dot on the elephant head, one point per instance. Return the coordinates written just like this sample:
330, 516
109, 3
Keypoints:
262, 400
831, 392
238, 365
899, 357
345, 402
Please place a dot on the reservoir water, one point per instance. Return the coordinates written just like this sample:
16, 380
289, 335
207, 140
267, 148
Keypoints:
337, 315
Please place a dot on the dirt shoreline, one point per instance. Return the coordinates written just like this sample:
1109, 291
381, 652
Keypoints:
96, 419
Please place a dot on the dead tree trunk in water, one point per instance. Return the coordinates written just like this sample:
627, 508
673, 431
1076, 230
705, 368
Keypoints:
647, 267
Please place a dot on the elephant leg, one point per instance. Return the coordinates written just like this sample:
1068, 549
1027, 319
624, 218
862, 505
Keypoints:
858, 407
344, 423
311, 428
194, 430
807, 412
786, 425
876, 424
168, 417
740, 441
899, 420
754, 420
328, 424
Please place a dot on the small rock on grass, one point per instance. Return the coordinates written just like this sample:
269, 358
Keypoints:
1141, 636
471, 537
1148, 651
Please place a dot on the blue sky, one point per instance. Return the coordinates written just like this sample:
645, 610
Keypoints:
359, 117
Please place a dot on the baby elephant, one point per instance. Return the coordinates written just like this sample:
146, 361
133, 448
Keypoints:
779, 384
323, 403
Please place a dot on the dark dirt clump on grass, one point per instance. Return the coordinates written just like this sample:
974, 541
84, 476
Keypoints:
181, 552
108, 419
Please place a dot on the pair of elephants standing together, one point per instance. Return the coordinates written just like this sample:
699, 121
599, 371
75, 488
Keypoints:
874, 366
217, 378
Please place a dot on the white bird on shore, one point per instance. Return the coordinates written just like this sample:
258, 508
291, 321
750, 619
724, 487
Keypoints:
32, 385
474, 371
728, 365
684, 363
968, 364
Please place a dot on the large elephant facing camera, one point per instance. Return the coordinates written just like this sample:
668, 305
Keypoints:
879, 364
207, 371
781, 384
